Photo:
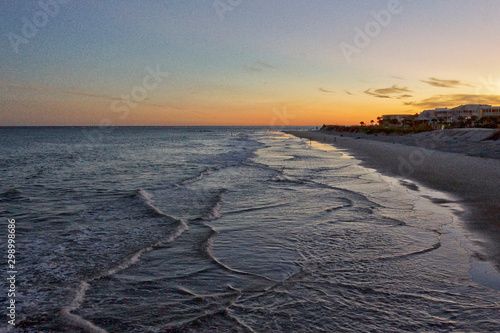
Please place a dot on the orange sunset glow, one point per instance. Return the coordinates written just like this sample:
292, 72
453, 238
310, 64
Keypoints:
250, 63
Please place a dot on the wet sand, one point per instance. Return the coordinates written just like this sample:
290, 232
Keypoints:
474, 180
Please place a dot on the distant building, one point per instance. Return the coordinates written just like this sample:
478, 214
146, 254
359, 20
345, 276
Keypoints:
444, 115
397, 119
464, 112
431, 115
459, 113
493, 111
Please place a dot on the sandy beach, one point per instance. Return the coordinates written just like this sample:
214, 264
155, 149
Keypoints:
447, 167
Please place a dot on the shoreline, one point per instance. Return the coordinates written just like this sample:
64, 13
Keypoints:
477, 142
474, 180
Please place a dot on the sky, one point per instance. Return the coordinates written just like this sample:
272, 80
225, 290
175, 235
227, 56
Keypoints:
242, 62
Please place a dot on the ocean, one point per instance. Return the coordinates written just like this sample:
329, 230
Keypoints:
227, 229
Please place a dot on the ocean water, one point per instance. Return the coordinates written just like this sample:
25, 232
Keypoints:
227, 230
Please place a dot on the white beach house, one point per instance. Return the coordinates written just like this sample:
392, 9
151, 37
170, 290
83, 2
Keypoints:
462, 112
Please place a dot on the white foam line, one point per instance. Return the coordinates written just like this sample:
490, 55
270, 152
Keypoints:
181, 228
145, 194
481, 272
200, 176
77, 321
215, 213
208, 247
147, 197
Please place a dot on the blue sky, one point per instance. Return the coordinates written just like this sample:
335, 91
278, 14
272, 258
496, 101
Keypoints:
241, 65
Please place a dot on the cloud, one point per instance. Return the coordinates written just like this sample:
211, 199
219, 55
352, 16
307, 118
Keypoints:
259, 66
264, 64
69, 92
368, 92
325, 90
392, 90
387, 92
452, 100
445, 83
252, 69
348, 92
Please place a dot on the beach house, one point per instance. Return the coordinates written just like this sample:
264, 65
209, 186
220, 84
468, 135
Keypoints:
397, 119
459, 113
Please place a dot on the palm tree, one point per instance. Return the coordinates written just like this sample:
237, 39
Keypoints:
362, 123
380, 120
371, 122
473, 120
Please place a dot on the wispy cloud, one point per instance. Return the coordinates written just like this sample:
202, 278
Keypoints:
264, 64
69, 92
348, 92
368, 92
453, 100
54, 90
390, 92
445, 83
325, 90
259, 66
